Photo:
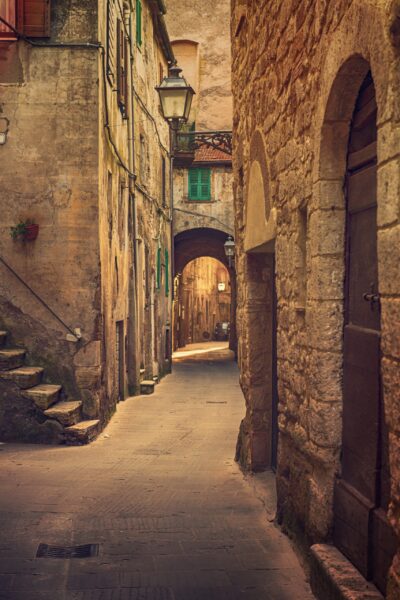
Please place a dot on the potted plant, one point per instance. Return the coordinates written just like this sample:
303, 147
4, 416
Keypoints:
27, 230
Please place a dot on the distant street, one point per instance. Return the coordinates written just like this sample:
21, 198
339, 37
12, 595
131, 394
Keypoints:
161, 495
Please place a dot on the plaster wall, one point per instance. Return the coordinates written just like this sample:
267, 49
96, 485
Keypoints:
297, 69
207, 24
49, 174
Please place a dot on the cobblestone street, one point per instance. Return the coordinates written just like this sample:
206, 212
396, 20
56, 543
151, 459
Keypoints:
159, 492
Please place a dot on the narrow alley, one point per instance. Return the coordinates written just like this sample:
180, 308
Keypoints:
159, 492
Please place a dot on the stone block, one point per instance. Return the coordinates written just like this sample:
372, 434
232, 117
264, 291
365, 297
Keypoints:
88, 377
326, 232
147, 387
333, 577
388, 243
89, 355
390, 326
388, 193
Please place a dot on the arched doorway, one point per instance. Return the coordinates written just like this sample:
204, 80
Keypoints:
203, 303
362, 492
196, 243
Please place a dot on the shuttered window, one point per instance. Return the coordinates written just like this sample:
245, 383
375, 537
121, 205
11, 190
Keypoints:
29, 17
122, 67
111, 41
158, 270
139, 22
199, 184
166, 253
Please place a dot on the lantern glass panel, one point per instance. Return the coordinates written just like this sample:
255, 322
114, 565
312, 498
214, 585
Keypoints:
173, 102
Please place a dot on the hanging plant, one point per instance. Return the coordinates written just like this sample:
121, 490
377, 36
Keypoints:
27, 230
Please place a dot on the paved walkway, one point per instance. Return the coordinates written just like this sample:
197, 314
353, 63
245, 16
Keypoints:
159, 492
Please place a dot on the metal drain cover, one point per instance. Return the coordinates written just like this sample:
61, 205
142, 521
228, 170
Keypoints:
85, 551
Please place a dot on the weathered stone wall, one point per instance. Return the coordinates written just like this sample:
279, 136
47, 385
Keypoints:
153, 206
49, 175
297, 69
207, 24
216, 213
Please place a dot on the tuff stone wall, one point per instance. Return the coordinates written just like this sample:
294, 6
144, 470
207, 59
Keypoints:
297, 69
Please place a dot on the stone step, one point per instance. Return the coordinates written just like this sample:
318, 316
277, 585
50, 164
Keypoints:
24, 377
11, 358
83, 432
147, 387
43, 395
66, 413
3, 337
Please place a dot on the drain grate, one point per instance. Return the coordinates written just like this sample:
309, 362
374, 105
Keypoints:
85, 551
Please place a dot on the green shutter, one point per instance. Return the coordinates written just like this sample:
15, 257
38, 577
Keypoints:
158, 272
199, 184
166, 253
139, 22
205, 179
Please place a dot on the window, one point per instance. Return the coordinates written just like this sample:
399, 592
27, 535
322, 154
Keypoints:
199, 184
163, 183
111, 41
139, 22
29, 17
122, 67
158, 271
166, 257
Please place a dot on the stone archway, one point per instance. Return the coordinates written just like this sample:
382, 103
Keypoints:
201, 242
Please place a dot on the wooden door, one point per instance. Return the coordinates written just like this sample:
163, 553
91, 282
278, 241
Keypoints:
362, 531
275, 399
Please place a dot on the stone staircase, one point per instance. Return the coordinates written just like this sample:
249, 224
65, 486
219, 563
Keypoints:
48, 399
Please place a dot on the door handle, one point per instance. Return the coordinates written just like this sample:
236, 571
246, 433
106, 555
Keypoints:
371, 296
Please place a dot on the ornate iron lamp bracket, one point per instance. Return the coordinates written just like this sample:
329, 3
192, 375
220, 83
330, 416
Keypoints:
193, 140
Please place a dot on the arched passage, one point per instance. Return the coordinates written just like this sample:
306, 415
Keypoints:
193, 244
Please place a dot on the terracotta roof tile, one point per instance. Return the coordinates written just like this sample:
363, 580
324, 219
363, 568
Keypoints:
207, 154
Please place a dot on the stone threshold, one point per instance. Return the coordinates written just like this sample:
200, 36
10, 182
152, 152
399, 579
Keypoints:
333, 577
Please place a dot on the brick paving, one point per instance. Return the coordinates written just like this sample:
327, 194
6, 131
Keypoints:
159, 492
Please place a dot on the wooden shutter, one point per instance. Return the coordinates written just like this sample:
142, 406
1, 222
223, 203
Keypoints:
158, 272
166, 272
111, 41
122, 83
205, 187
139, 22
34, 15
194, 175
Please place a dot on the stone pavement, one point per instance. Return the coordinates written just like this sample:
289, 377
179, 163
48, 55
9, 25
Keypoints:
159, 492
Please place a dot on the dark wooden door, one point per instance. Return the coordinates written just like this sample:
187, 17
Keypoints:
362, 531
275, 400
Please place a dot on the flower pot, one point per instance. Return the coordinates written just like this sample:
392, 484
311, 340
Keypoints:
31, 232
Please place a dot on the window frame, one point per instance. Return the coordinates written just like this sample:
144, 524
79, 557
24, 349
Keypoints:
199, 196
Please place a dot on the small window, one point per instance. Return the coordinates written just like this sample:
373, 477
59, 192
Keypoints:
199, 184
163, 182
122, 68
139, 22
111, 41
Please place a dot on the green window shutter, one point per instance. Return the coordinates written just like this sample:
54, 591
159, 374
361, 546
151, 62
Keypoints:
139, 22
205, 184
166, 253
158, 273
194, 176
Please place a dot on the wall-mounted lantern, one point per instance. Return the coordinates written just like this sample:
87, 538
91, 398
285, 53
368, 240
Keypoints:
176, 97
229, 248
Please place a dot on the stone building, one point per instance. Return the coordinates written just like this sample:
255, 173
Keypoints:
316, 161
203, 302
203, 196
84, 155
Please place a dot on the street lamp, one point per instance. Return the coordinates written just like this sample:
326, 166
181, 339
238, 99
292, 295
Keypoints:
229, 248
176, 97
